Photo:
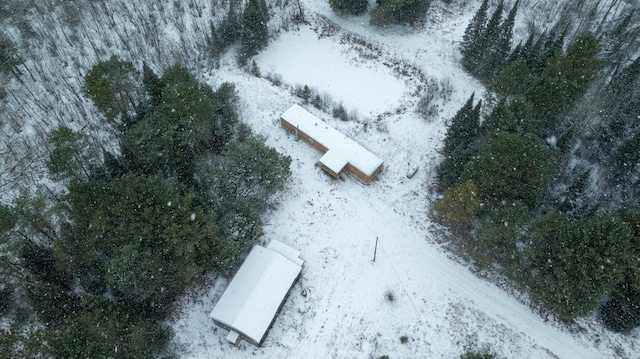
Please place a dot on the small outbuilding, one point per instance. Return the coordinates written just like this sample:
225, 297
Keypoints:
249, 305
341, 154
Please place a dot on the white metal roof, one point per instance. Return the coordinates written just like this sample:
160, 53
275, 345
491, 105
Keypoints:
255, 293
341, 149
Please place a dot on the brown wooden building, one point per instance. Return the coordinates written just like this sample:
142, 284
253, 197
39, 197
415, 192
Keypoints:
341, 154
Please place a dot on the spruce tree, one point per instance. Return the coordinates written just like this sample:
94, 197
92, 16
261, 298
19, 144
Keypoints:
508, 169
579, 262
503, 45
407, 12
471, 47
353, 7
255, 33
490, 40
459, 143
152, 84
464, 126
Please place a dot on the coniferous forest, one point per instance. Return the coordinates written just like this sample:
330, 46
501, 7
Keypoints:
540, 177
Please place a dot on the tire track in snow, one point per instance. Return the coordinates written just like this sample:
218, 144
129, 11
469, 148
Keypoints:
411, 246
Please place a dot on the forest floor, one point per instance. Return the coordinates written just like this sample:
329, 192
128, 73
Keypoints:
355, 307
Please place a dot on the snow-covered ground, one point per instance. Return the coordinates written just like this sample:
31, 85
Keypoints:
355, 307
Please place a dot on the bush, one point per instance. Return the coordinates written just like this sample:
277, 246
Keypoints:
404, 339
340, 113
390, 296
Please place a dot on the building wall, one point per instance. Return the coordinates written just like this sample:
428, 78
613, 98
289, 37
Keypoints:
303, 136
361, 175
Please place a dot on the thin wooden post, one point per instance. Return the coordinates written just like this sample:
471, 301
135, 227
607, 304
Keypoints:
375, 250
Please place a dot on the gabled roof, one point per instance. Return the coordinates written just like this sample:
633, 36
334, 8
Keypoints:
341, 149
250, 302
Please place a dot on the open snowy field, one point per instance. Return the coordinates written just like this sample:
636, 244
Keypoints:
355, 307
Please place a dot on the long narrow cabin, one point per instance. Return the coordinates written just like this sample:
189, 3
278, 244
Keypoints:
255, 295
341, 154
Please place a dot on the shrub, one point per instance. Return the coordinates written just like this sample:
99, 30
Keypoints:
340, 113
390, 296
404, 339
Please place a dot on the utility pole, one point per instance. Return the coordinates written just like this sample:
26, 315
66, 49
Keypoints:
375, 250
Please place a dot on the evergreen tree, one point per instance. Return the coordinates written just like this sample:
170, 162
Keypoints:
499, 237
564, 79
458, 207
114, 87
515, 116
464, 126
192, 119
255, 33
513, 80
449, 172
407, 12
579, 262
503, 44
508, 169
353, 7
490, 40
547, 45
72, 157
471, 45
621, 312
152, 84
486, 44
459, 143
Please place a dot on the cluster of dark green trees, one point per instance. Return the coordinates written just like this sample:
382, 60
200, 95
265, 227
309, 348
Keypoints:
103, 265
486, 43
249, 27
386, 12
506, 198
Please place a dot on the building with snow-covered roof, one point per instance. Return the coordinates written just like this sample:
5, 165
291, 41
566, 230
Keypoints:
340, 153
256, 293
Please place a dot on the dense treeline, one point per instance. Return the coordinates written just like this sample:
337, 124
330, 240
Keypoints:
514, 197
102, 267
386, 12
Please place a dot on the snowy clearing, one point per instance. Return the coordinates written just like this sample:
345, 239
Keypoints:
355, 307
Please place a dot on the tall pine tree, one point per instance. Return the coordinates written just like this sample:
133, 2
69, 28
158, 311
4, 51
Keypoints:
471, 47
255, 33
503, 44
464, 126
459, 144
490, 39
